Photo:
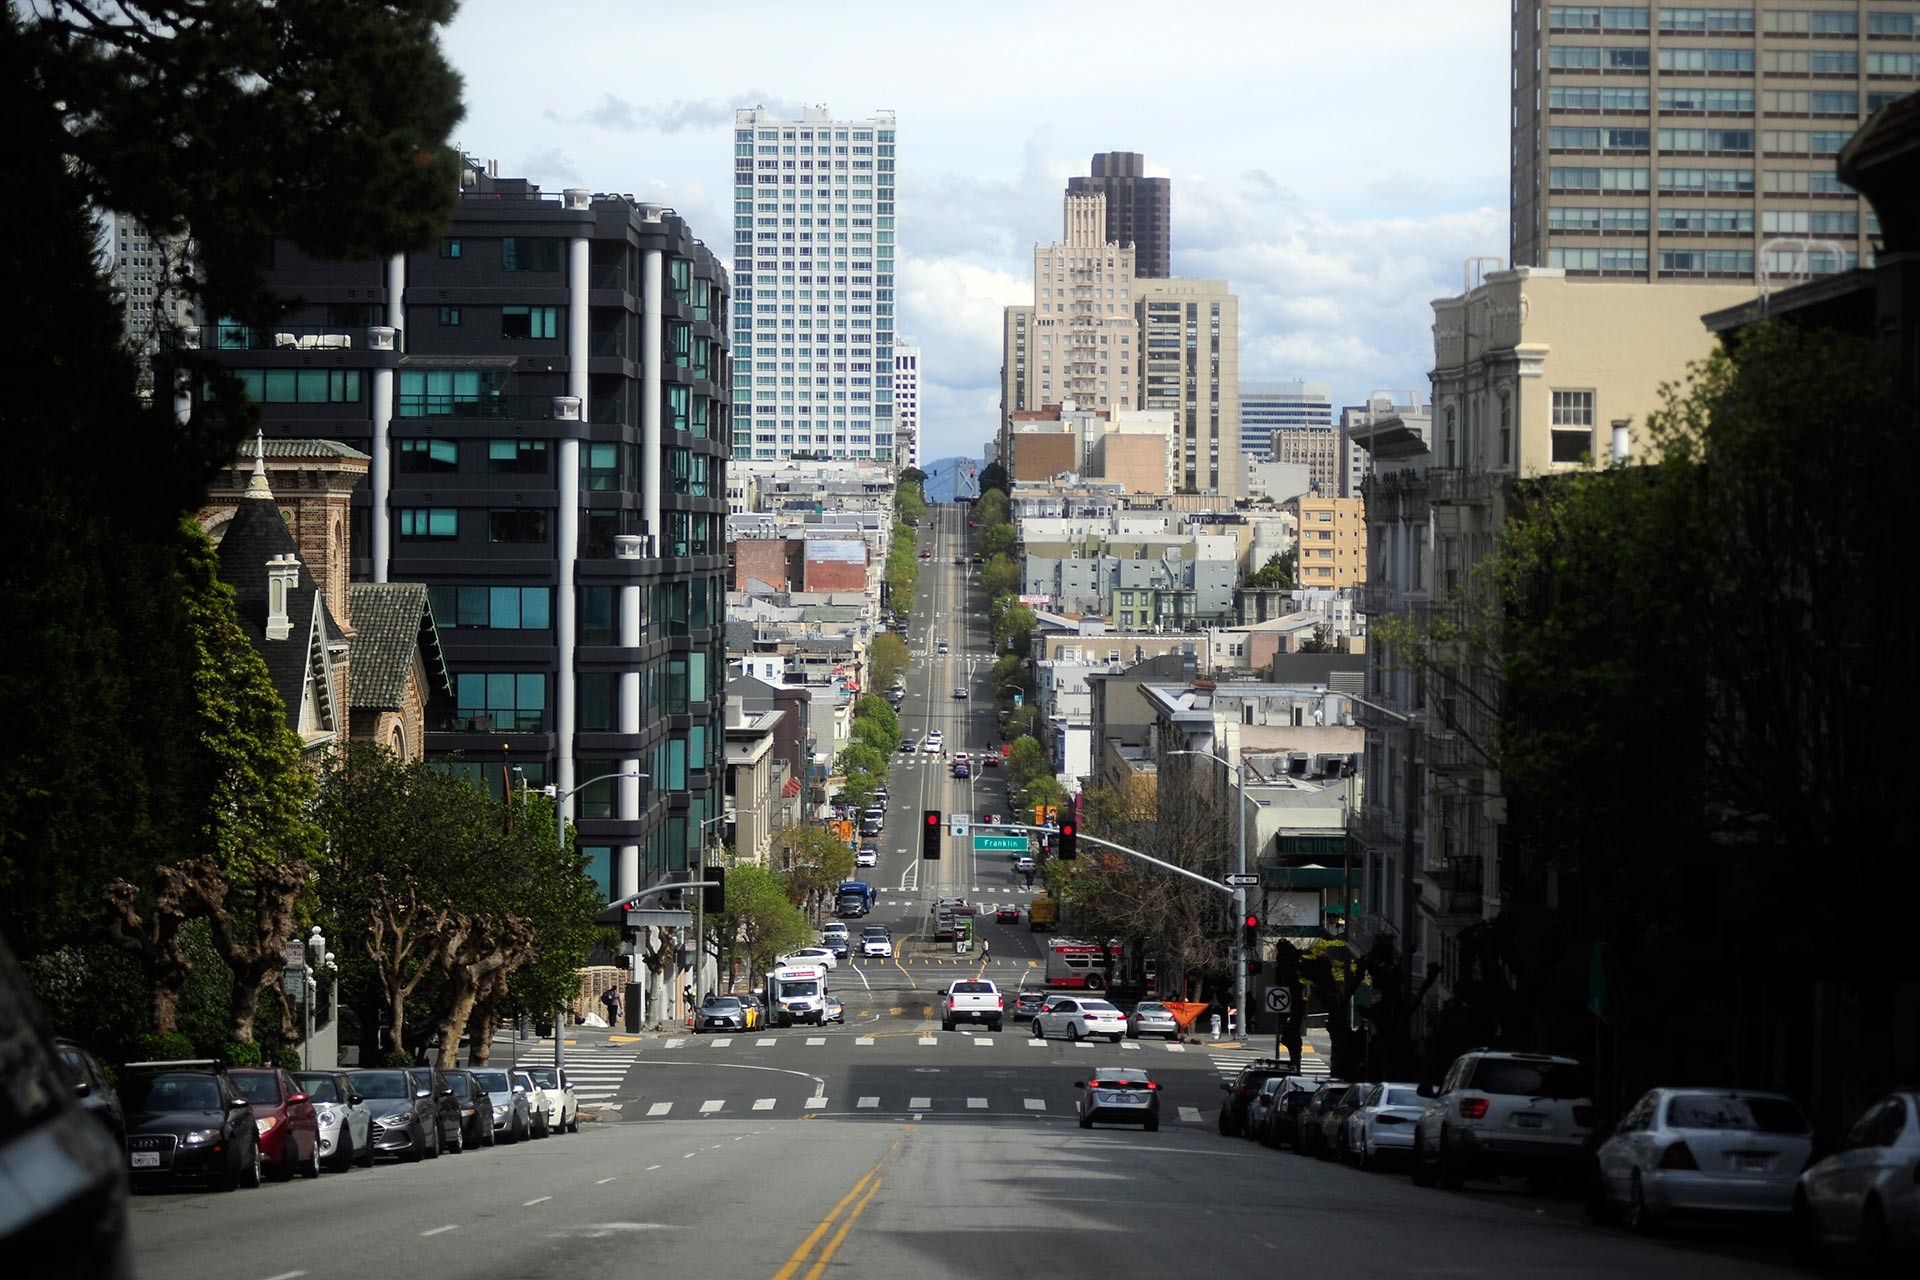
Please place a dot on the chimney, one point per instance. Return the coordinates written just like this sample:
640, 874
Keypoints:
736, 714
283, 574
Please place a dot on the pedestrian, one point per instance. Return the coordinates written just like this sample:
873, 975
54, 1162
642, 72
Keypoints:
611, 999
986, 948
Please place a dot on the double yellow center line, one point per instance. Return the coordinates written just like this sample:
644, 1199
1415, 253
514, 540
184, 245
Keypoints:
862, 1192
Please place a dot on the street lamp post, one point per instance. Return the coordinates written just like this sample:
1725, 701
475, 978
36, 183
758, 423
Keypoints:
1239, 891
560, 840
318, 961
700, 908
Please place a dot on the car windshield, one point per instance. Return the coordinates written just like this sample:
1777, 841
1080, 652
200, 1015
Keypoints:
1751, 1115
493, 1081
725, 1004
545, 1077
1149, 1007
170, 1093
263, 1089
1529, 1079
383, 1084
319, 1088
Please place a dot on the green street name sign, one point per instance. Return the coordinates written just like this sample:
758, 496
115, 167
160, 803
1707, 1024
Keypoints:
984, 843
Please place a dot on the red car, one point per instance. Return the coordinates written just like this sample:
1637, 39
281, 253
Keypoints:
926, 555
1007, 915
289, 1126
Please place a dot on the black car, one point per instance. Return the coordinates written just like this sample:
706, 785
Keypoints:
1240, 1091
403, 1116
92, 1088
187, 1119
448, 1134
1283, 1122
476, 1109
76, 1221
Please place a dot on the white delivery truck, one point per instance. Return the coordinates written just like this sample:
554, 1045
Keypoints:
797, 993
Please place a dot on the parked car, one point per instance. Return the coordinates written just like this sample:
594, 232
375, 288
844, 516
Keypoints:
1866, 1195
835, 1012
289, 1125
76, 1219
1260, 1108
1151, 1018
1026, 1003
1699, 1151
188, 1119
1280, 1124
756, 1006
1323, 1121
346, 1125
92, 1088
512, 1109
476, 1109
537, 1105
720, 1013
1240, 1091
1382, 1125
563, 1104
1120, 1095
1502, 1112
402, 1122
1079, 1017
446, 1110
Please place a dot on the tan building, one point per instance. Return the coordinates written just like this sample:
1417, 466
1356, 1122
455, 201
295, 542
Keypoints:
1333, 540
1190, 364
1137, 456
1669, 143
1043, 450
1317, 448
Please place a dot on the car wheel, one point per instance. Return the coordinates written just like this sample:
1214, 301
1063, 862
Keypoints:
1073, 1032
1601, 1210
311, 1169
1807, 1244
250, 1172
459, 1141
433, 1145
1639, 1217
344, 1158
366, 1157
1153, 1124
1086, 1122
1269, 1137
1418, 1168
282, 1170
1363, 1159
1346, 1148
945, 1025
1446, 1173
994, 1027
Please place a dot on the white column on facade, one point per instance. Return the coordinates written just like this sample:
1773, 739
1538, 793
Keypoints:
652, 289
566, 526
388, 337
629, 547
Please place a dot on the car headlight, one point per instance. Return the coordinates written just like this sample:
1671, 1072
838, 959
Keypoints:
266, 1124
199, 1137
500, 1113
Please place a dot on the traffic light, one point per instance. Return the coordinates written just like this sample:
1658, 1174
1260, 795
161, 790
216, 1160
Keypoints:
1253, 933
1069, 839
930, 835
716, 897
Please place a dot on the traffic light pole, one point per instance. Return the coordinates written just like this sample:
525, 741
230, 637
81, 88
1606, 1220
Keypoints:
1131, 853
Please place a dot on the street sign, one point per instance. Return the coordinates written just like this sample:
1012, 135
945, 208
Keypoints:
985, 842
659, 918
294, 955
959, 823
1242, 879
1279, 999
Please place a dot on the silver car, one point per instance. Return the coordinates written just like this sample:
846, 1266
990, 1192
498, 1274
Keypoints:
1151, 1018
1867, 1194
836, 1012
721, 1013
1119, 1095
1701, 1151
1382, 1125
563, 1104
1078, 1018
537, 1105
512, 1109
346, 1123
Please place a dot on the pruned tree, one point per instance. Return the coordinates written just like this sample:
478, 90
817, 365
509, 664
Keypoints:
478, 953
151, 935
251, 922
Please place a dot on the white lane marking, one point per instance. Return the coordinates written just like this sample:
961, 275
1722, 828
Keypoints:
723, 1042
1037, 1043
816, 1039
601, 1182
1130, 1044
287, 1275
690, 1155
763, 1104
919, 1104
528, 1204
977, 1104
983, 1039
864, 1040
815, 1104
1083, 1044
929, 1040
652, 1167
434, 1231
711, 1105
676, 1042
1176, 1048
867, 1103
1035, 1104
764, 1041
1189, 1115
659, 1108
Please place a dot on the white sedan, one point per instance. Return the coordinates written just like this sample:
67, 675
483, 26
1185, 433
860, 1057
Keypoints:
932, 745
877, 946
563, 1104
1079, 1018
821, 956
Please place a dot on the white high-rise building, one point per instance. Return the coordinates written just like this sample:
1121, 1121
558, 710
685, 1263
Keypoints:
144, 269
813, 270
906, 405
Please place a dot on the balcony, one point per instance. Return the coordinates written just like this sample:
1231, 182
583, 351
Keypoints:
488, 407
229, 336
1461, 486
1452, 753
1374, 598
1459, 889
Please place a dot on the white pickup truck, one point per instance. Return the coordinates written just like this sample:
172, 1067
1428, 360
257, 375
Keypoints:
972, 1000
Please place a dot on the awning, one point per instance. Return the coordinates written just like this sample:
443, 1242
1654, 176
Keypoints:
1293, 879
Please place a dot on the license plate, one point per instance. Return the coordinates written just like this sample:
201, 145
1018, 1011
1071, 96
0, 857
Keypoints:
1751, 1164
1525, 1121
146, 1160
1119, 1097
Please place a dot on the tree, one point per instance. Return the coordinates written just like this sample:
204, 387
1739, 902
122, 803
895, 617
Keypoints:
992, 508
864, 769
993, 479
812, 863
887, 659
1274, 573
759, 922
874, 708
997, 540
1013, 630
1026, 760
1009, 674
999, 577
909, 501
1318, 642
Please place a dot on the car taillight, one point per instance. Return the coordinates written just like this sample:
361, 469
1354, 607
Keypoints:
1583, 1116
999, 1002
1473, 1108
1152, 1085
1678, 1156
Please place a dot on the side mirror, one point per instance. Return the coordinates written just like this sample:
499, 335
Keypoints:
519, 1088
294, 1099
423, 1093
354, 1099
1428, 1091
239, 1104
81, 1089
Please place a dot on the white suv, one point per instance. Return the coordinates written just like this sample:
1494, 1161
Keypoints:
1498, 1112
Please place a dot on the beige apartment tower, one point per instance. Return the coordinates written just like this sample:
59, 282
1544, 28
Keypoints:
1190, 364
1664, 143
1332, 534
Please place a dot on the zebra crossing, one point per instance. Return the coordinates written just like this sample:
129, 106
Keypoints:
598, 1073
918, 1106
1313, 1059
931, 1038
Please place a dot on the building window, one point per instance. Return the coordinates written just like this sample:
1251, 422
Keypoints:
516, 525
529, 322
429, 455
529, 253
502, 701
449, 316
1572, 425
1506, 429
449, 247
492, 608
517, 457
597, 702
300, 386
600, 467
429, 522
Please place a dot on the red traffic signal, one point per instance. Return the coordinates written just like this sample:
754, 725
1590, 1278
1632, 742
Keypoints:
930, 835
1069, 839
1253, 922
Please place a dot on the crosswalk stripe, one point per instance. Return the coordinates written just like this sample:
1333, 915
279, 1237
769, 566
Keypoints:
1036, 1104
723, 1042
1037, 1042
659, 1108
675, 1042
815, 1103
983, 1039
816, 1039
864, 1040
764, 1104
867, 1103
928, 1040
1176, 1048
764, 1041
711, 1105
977, 1104
919, 1104
1130, 1044
1190, 1115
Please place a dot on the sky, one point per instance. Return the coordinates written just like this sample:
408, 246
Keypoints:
1336, 160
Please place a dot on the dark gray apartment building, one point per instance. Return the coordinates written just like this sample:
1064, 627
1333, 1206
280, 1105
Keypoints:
545, 396
1139, 209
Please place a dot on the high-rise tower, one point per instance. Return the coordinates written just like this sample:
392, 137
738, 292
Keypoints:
1139, 208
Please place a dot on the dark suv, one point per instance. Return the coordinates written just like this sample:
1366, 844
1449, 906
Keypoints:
187, 1119
1240, 1091
449, 1135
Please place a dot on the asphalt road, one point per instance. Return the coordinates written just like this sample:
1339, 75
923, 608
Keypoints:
889, 1146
